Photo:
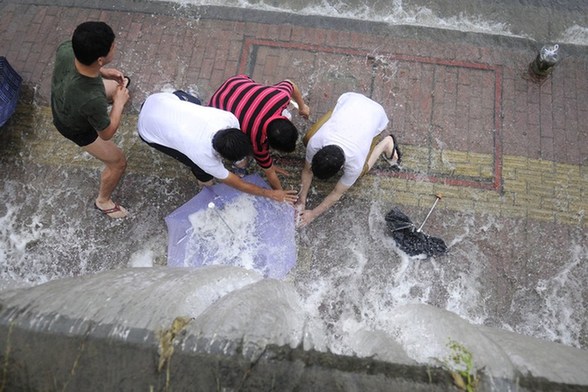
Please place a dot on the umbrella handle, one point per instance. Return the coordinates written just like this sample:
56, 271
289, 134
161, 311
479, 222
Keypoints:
438, 197
403, 227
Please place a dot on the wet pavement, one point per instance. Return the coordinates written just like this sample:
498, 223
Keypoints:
508, 153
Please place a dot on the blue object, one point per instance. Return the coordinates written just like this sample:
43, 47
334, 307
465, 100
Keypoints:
267, 246
10, 82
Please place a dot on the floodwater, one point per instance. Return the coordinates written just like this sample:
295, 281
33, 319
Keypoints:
349, 271
563, 21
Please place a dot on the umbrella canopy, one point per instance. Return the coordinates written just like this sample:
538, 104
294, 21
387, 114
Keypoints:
221, 225
409, 239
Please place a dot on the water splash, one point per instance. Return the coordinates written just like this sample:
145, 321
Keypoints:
486, 18
219, 243
558, 318
575, 35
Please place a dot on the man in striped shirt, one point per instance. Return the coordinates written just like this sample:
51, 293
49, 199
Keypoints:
260, 110
200, 137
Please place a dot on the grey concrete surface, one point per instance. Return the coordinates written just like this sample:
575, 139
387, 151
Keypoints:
101, 332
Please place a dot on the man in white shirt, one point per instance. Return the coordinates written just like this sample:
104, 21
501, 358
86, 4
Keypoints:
344, 138
200, 137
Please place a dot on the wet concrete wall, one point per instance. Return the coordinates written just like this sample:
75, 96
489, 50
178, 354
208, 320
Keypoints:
43, 349
58, 361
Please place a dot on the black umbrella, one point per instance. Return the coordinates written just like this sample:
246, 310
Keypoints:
411, 239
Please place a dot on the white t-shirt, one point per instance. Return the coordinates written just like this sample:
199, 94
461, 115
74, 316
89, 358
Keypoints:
355, 121
188, 128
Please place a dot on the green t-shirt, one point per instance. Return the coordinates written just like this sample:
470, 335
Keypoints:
78, 102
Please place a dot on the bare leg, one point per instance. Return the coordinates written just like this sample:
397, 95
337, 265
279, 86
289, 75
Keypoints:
109, 87
207, 183
385, 146
114, 159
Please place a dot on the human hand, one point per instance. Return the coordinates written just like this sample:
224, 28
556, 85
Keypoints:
121, 95
304, 218
304, 111
113, 74
289, 196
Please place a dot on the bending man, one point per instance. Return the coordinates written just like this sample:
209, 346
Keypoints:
200, 137
260, 110
344, 138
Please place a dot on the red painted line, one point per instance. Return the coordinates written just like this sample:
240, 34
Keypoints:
452, 181
363, 53
498, 130
242, 66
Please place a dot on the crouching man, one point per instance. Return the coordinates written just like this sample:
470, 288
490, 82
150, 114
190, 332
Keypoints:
346, 137
200, 137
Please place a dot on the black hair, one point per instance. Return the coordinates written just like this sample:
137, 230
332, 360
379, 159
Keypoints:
232, 144
282, 135
92, 40
327, 161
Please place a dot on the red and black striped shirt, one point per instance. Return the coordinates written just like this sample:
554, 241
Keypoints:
255, 106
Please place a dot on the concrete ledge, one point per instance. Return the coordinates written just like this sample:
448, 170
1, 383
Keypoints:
96, 361
43, 348
34, 360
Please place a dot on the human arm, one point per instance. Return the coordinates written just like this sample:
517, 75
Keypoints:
113, 74
275, 194
119, 100
307, 216
306, 180
271, 174
303, 108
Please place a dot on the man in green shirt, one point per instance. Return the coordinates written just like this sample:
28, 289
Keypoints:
81, 90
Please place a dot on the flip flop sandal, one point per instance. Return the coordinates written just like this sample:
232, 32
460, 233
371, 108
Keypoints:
128, 81
398, 154
108, 211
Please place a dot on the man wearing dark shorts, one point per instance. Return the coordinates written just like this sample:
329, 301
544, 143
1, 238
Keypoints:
200, 137
81, 90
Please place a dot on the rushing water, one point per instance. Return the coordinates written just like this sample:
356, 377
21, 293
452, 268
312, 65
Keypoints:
349, 274
349, 271
563, 21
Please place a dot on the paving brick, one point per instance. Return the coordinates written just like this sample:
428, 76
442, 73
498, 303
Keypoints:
541, 214
513, 211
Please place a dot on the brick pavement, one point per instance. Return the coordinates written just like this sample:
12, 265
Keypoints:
472, 126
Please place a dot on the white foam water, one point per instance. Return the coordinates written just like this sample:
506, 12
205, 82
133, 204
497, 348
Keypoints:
49, 228
355, 287
558, 318
142, 259
401, 12
20, 234
224, 235
575, 35
393, 12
